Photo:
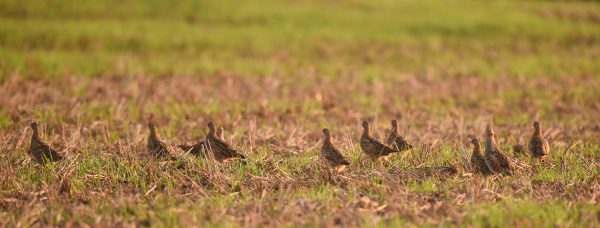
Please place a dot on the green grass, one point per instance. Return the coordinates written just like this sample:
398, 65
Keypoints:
254, 38
274, 73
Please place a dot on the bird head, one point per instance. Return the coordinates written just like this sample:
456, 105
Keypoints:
536, 125
211, 128
34, 125
151, 124
365, 124
489, 133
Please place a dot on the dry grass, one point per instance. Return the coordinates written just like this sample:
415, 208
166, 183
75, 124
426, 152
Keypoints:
107, 179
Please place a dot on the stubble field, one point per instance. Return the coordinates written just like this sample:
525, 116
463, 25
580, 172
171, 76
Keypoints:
273, 74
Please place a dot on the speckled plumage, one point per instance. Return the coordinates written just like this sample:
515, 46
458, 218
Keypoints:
198, 148
395, 140
331, 153
156, 147
477, 161
221, 150
496, 161
39, 151
538, 145
372, 147
195, 149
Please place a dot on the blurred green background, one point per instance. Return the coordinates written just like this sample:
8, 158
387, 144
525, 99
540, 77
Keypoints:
156, 37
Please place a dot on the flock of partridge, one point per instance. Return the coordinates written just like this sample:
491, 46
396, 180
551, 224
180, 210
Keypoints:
491, 161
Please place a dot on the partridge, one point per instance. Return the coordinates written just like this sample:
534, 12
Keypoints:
496, 161
477, 160
221, 150
538, 145
331, 153
372, 147
156, 147
39, 151
195, 149
518, 148
395, 140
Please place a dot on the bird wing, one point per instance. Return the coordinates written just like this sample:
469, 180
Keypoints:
333, 154
503, 161
53, 155
491, 162
380, 148
195, 149
534, 145
185, 148
42, 151
157, 148
546, 147
402, 144
391, 138
224, 148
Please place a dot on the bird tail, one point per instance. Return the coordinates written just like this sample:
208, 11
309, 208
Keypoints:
185, 147
345, 162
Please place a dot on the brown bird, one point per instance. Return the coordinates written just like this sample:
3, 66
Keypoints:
395, 140
195, 149
477, 160
538, 145
198, 148
39, 151
518, 148
221, 150
156, 147
220, 131
372, 147
497, 161
332, 154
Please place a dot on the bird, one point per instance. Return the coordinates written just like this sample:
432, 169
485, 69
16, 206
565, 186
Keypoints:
221, 150
220, 131
395, 140
39, 151
194, 149
156, 147
197, 148
372, 147
477, 160
496, 161
331, 153
518, 148
538, 145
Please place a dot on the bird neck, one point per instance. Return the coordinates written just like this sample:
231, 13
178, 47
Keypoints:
366, 131
476, 148
153, 132
537, 132
327, 139
36, 134
211, 132
490, 143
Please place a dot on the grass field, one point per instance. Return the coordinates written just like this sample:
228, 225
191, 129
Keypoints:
274, 73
